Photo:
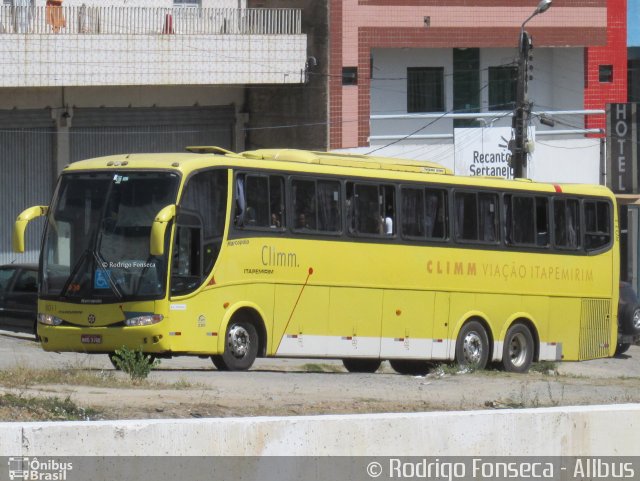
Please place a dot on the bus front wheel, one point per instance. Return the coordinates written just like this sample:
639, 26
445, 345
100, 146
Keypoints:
518, 349
472, 346
361, 365
240, 349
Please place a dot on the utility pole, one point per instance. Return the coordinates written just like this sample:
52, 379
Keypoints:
519, 146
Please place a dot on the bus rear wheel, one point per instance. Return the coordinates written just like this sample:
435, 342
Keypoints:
621, 348
240, 349
518, 349
361, 365
410, 367
472, 346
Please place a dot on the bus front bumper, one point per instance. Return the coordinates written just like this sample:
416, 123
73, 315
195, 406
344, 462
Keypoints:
149, 339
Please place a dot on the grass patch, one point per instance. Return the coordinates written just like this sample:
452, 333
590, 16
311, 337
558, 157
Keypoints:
24, 377
545, 367
315, 367
18, 407
452, 369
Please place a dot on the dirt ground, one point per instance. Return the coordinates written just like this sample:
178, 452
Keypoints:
191, 387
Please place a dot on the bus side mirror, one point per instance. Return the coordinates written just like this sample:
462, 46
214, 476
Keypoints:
158, 229
20, 225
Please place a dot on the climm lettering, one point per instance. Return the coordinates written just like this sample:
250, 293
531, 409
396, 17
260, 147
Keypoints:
272, 257
454, 268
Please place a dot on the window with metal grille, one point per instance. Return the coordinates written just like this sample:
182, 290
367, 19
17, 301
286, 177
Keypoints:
425, 89
503, 83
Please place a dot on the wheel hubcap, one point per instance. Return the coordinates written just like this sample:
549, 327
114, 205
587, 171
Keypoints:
238, 341
518, 350
636, 319
472, 348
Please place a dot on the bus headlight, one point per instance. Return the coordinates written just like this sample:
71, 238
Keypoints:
144, 320
49, 320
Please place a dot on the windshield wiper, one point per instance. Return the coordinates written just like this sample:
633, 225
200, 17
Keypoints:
74, 272
100, 264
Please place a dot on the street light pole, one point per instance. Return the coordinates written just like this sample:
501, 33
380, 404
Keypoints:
519, 147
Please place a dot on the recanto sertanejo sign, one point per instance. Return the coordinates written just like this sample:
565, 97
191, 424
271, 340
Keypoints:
484, 151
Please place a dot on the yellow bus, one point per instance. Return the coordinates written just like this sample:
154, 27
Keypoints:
290, 253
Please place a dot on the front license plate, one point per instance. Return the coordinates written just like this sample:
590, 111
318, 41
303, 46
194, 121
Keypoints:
91, 339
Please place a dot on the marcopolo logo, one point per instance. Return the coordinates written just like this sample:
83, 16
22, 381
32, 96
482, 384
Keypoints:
23, 468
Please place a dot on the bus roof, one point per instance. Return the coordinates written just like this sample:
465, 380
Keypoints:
344, 164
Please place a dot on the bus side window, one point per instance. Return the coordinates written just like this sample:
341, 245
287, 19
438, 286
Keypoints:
371, 209
597, 224
466, 216
436, 214
367, 209
304, 204
413, 212
257, 202
328, 203
566, 222
476, 216
542, 222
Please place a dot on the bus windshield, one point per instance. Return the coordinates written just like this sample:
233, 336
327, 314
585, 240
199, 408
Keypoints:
96, 243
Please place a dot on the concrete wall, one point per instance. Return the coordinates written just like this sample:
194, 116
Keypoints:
141, 96
564, 431
294, 116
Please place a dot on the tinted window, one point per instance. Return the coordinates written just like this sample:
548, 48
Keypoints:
476, 216
566, 221
5, 278
597, 216
316, 205
527, 220
27, 281
371, 209
260, 201
199, 230
424, 213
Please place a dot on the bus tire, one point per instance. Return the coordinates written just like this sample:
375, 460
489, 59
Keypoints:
472, 346
621, 348
219, 363
240, 349
412, 367
361, 365
630, 319
517, 354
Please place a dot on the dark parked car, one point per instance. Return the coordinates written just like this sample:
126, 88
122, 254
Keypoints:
19, 297
628, 318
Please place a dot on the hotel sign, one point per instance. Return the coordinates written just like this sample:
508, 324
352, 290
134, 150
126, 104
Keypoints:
622, 154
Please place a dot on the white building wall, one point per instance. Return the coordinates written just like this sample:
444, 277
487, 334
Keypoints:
38, 60
389, 87
557, 84
148, 3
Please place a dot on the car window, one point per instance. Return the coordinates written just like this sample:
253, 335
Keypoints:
5, 278
27, 282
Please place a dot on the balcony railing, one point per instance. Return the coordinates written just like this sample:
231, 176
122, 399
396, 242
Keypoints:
149, 21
